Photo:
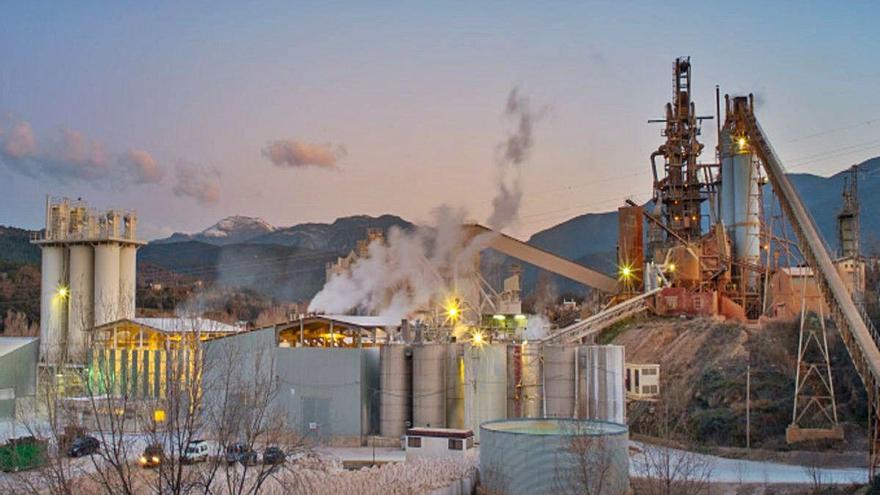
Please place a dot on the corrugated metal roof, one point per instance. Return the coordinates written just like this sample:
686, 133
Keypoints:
182, 325
9, 344
363, 321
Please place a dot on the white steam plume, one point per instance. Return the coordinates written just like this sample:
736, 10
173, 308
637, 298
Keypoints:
414, 269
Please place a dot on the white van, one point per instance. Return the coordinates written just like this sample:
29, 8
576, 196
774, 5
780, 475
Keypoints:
198, 451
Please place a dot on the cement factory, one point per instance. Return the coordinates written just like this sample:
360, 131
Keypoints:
469, 365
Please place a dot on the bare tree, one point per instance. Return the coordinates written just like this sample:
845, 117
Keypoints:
669, 465
587, 466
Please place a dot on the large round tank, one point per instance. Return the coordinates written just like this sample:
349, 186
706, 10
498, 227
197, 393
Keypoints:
559, 381
602, 391
80, 318
741, 199
455, 380
53, 303
106, 283
486, 385
395, 400
429, 385
525, 391
127, 281
535, 456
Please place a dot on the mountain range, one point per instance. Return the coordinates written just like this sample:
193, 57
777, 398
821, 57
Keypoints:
288, 262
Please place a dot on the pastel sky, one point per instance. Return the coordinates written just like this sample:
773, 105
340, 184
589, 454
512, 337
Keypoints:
294, 111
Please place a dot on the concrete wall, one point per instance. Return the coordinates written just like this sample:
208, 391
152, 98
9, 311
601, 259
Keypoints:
329, 392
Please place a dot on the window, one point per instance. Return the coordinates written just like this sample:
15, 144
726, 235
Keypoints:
698, 302
649, 371
413, 442
637, 379
671, 302
456, 444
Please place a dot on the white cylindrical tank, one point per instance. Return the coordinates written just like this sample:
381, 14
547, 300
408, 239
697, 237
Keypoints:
727, 194
603, 395
53, 303
485, 390
525, 391
80, 318
127, 281
106, 282
455, 380
395, 400
429, 385
559, 380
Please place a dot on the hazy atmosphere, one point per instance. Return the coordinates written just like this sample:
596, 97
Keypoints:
306, 112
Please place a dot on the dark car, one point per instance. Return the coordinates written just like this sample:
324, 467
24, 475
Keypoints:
273, 455
82, 446
238, 452
152, 457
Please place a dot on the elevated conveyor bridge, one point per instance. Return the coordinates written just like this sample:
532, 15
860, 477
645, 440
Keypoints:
855, 329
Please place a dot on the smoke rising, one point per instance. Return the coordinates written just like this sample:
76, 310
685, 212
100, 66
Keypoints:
295, 154
513, 152
420, 268
197, 182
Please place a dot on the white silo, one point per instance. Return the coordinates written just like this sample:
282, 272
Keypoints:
106, 282
127, 280
80, 317
53, 302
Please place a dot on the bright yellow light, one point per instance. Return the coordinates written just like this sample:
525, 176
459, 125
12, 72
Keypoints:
63, 292
626, 272
159, 415
477, 338
143, 460
452, 311
525, 342
519, 317
499, 317
671, 267
742, 142
155, 458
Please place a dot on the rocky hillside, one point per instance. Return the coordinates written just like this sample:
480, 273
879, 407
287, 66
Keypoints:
707, 361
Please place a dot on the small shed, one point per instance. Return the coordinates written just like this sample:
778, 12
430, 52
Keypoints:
438, 442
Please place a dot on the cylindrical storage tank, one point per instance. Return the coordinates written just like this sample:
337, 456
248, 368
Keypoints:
395, 400
429, 385
127, 281
485, 392
603, 395
53, 303
80, 318
525, 391
727, 202
559, 380
106, 283
455, 380
535, 456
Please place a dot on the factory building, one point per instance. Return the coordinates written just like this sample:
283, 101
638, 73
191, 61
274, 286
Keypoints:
89, 262
133, 356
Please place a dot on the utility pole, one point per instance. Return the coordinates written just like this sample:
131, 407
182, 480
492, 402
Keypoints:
748, 406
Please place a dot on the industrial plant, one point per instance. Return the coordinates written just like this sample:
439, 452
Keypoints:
438, 352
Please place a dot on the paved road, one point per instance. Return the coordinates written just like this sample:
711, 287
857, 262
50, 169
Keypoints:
724, 470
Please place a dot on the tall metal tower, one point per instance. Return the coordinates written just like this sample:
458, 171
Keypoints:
848, 227
680, 190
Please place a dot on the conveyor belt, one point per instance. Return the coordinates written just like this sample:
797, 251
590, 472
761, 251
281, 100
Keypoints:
602, 320
853, 329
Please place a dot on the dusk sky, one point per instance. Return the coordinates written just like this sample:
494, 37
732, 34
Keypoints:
294, 112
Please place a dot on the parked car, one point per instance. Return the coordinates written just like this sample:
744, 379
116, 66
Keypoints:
238, 452
273, 455
196, 451
83, 446
152, 457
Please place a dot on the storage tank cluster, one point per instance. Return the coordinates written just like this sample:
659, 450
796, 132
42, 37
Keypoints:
89, 269
461, 385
